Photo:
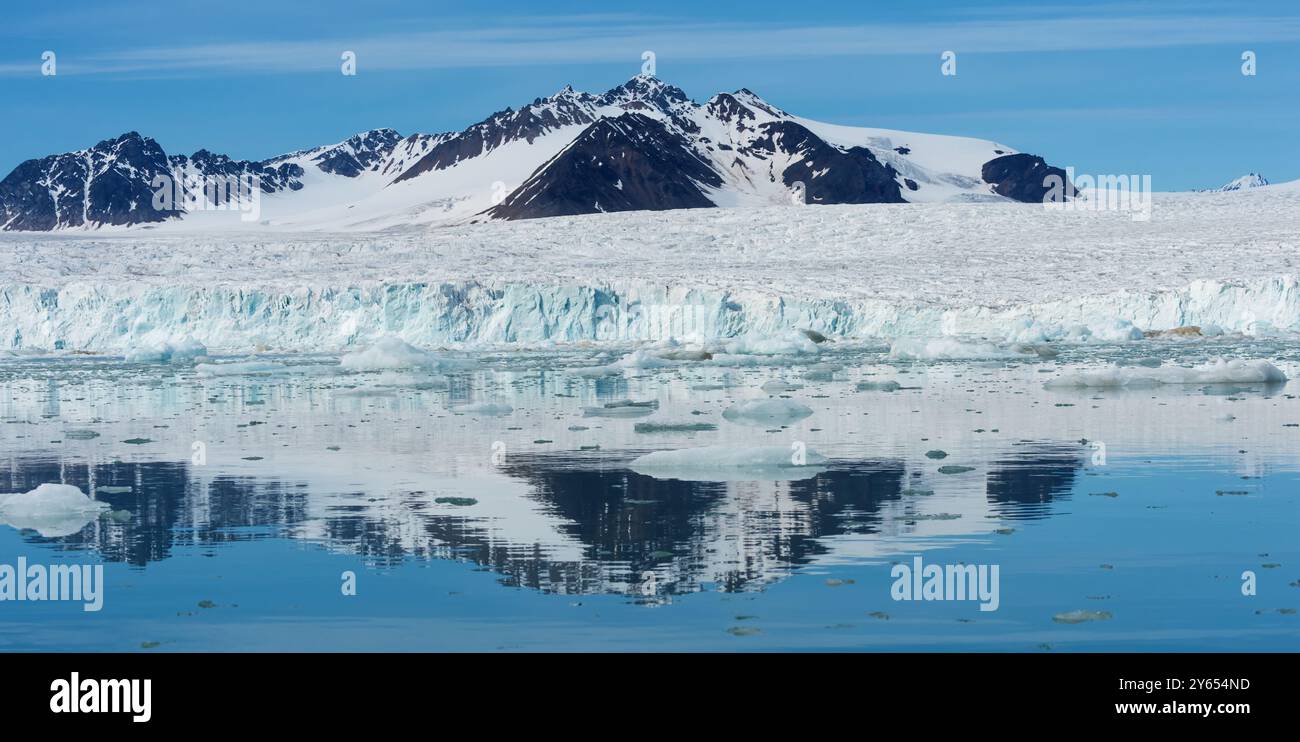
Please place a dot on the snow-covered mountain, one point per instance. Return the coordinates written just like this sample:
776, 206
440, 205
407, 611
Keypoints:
643, 145
1250, 180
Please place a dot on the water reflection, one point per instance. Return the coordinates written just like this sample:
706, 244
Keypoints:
167, 507
616, 529
1023, 486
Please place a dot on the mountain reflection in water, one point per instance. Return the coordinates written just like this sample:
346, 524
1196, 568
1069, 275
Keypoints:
616, 529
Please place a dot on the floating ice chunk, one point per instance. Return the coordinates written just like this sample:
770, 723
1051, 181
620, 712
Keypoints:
484, 408
622, 408
728, 463
652, 404
788, 343
686, 354
644, 358
776, 386
389, 352
672, 427
185, 349
879, 386
1219, 371
1072, 617
766, 412
51, 510
951, 349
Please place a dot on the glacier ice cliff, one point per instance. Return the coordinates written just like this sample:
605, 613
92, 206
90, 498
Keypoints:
115, 317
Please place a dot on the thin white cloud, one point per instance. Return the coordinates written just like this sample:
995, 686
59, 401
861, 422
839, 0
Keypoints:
618, 39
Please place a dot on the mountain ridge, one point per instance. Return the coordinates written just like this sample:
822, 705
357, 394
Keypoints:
552, 156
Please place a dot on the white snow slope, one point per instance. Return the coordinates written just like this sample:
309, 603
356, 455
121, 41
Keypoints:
994, 270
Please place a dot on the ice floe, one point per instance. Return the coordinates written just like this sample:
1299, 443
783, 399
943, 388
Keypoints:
51, 509
622, 408
767, 412
731, 463
1218, 371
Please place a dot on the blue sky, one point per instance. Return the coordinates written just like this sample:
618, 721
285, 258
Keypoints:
1135, 87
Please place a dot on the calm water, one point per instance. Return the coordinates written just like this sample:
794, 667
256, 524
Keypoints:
487, 528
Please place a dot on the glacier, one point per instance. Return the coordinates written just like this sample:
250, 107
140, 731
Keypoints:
745, 280
115, 318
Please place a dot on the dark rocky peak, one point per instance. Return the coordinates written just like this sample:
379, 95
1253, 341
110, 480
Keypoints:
109, 183
358, 153
567, 93
129, 151
725, 107
204, 167
1024, 177
829, 174
649, 90
626, 163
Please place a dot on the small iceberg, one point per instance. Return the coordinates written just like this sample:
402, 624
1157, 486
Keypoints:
388, 353
731, 464
51, 510
767, 412
1218, 371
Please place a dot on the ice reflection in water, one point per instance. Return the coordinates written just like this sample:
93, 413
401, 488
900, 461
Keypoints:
383, 468
615, 525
